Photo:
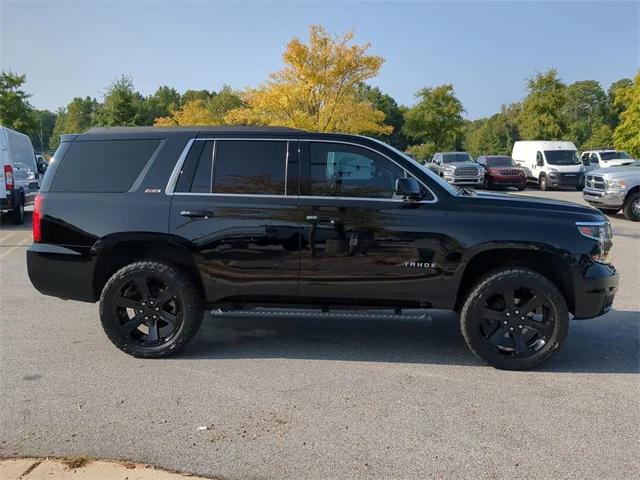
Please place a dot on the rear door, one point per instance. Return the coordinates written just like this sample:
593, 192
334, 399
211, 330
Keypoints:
360, 243
235, 206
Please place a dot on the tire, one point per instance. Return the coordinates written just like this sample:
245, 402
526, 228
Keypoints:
543, 182
522, 187
496, 330
486, 185
153, 289
17, 214
631, 208
579, 188
609, 211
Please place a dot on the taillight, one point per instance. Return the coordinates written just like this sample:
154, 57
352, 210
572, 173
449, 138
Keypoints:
8, 177
36, 218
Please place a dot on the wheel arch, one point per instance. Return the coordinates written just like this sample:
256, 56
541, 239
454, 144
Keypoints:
117, 251
548, 264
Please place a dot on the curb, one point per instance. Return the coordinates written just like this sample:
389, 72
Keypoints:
82, 468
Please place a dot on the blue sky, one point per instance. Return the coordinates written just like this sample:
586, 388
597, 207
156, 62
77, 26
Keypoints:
485, 49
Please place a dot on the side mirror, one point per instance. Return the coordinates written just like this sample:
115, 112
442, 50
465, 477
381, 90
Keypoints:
42, 167
408, 188
540, 162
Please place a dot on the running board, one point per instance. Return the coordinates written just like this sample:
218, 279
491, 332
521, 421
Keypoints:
320, 315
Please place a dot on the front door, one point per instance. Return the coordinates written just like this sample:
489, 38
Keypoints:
235, 206
361, 244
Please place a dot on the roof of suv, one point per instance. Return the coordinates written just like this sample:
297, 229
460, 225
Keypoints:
216, 129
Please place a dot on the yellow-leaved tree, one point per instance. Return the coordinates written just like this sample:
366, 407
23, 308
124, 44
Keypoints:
317, 88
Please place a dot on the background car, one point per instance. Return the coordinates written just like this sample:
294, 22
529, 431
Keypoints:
457, 168
615, 188
502, 171
594, 159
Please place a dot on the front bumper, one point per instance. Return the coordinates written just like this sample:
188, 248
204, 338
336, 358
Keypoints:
594, 290
507, 180
472, 181
602, 198
61, 272
558, 179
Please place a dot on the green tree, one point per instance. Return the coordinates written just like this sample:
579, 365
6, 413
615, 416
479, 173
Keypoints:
585, 110
209, 110
163, 101
615, 109
627, 134
15, 110
422, 151
542, 110
490, 137
43, 124
436, 118
121, 105
78, 116
393, 114
191, 95
602, 137
227, 99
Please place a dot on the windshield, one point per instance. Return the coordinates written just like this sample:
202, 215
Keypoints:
562, 157
614, 155
436, 178
456, 157
499, 162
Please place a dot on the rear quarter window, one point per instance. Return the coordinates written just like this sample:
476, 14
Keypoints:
102, 166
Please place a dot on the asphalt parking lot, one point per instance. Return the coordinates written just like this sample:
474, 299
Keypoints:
325, 398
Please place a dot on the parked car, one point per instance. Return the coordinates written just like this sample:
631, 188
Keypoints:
160, 224
457, 168
550, 164
501, 171
594, 159
20, 175
615, 188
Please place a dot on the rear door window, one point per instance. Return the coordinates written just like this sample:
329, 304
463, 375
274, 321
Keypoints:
102, 166
255, 167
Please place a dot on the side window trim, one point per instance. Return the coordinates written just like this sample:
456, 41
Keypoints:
177, 169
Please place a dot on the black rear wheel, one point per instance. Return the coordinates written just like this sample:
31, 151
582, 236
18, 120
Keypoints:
631, 207
514, 319
18, 212
150, 309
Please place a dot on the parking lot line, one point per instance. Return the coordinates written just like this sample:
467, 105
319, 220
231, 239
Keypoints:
15, 247
8, 236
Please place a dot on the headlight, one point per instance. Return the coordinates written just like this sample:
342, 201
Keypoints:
449, 169
481, 170
601, 233
553, 170
616, 185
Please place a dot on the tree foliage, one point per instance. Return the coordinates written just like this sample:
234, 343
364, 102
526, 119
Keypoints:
78, 116
585, 110
393, 114
209, 109
43, 124
15, 110
317, 89
627, 134
121, 105
436, 118
490, 136
542, 109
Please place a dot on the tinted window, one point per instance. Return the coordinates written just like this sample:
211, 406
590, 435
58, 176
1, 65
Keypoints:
349, 171
251, 167
456, 157
614, 155
201, 182
500, 162
102, 166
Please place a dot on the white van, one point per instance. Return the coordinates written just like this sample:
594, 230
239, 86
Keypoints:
20, 174
550, 163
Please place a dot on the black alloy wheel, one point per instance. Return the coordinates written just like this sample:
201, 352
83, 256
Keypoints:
150, 309
514, 319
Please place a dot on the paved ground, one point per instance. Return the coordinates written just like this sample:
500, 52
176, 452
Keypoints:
321, 399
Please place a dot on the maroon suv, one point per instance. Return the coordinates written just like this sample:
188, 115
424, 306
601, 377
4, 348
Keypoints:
502, 172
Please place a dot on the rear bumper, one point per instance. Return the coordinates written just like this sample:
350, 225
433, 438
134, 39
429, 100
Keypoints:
8, 202
61, 272
594, 290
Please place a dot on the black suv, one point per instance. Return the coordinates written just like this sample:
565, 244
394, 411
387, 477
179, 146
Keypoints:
161, 224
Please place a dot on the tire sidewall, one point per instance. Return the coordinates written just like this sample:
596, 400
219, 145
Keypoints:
174, 279
628, 207
469, 318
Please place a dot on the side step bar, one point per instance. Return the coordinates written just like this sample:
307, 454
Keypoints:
416, 314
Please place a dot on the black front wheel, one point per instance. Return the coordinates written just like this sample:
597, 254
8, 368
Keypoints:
631, 208
514, 319
150, 309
